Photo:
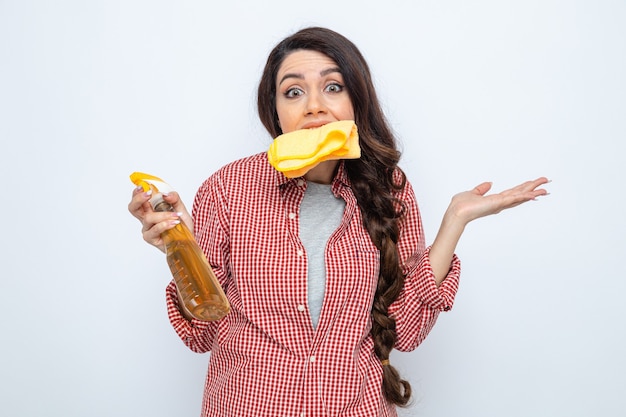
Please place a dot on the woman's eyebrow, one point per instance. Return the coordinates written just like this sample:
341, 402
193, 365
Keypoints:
291, 75
298, 76
330, 71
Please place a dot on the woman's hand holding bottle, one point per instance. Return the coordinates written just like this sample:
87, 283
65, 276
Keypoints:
153, 222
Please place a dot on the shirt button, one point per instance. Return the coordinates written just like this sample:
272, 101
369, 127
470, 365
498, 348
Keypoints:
300, 253
292, 216
300, 183
301, 307
312, 359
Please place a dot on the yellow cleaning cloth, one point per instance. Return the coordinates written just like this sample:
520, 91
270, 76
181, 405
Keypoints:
295, 153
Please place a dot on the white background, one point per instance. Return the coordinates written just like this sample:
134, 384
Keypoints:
505, 91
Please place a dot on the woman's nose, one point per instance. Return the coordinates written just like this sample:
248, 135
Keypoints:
315, 103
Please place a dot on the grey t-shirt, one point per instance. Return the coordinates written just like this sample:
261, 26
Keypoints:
320, 215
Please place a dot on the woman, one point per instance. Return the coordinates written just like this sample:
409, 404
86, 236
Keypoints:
326, 273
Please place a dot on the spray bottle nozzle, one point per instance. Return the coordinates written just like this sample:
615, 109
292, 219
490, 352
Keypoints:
150, 182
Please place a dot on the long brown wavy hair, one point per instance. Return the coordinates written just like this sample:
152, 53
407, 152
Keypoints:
375, 177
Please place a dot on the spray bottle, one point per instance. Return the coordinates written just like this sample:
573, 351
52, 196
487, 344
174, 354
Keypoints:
199, 290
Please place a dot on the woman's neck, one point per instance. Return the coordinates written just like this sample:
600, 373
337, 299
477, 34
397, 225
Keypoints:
323, 173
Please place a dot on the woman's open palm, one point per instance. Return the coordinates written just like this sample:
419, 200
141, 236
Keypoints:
473, 204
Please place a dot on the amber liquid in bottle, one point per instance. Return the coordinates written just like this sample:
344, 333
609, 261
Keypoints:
198, 287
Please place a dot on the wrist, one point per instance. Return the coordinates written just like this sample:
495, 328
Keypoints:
452, 223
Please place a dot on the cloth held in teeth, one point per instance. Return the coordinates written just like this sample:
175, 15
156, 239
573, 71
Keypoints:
295, 153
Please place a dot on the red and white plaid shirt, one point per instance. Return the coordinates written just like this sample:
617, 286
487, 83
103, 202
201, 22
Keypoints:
267, 360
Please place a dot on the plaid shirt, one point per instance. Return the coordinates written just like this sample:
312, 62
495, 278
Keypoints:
266, 357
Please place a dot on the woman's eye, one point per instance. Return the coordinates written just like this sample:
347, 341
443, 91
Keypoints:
334, 88
293, 92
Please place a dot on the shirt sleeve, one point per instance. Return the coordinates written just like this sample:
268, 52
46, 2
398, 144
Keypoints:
209, 226
197, 335
421, 300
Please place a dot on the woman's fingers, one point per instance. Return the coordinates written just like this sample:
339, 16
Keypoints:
139, 203
522, 193
174, 200
483, 188
525, 191
155, 223
530, 185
